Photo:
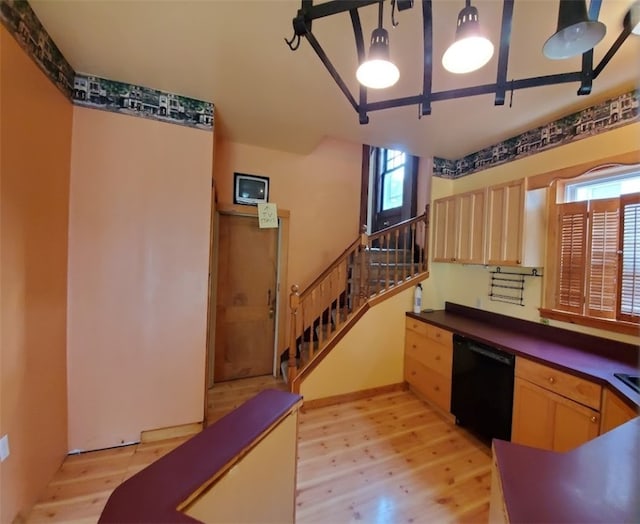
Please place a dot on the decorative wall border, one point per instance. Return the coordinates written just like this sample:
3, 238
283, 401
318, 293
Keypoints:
99, 93
130, 99
612, 113
23, 24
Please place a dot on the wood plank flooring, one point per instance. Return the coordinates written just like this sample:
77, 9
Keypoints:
388, 458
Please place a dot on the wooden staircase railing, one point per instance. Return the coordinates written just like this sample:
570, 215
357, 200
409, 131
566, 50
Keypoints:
371, 269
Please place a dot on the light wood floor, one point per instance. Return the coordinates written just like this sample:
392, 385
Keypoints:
388, 458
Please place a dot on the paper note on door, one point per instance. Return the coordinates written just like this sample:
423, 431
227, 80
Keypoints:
267, 215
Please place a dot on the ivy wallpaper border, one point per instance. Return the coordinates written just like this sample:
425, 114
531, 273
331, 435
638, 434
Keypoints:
608, 115
94, 92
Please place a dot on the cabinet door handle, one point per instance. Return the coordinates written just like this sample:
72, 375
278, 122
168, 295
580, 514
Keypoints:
594, 419
552, 380
414, 346
437, 357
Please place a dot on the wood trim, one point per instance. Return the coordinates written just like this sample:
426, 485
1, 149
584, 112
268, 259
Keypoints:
183, 430
383, 295
364, 187
250, 211
354, 395
616, 326
545, 179
319, 357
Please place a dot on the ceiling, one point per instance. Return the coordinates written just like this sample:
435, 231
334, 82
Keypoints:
233, 54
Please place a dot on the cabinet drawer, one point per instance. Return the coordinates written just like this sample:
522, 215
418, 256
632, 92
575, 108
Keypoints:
432, 385
416, 326
565, 384
431, 354
442, 336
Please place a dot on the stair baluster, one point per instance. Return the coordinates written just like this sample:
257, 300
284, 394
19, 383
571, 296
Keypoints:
321, 314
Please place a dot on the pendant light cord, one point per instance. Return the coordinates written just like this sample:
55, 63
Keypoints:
380, 14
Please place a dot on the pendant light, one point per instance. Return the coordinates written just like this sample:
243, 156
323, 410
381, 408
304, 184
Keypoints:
575, 34
471, 49
378, 72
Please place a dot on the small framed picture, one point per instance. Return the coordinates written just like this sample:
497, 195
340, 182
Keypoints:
250, 189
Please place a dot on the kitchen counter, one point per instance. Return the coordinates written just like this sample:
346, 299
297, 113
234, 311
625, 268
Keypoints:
154, 494
596, 482
588, 356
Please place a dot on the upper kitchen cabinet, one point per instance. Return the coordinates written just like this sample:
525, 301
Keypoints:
471, 214
515, 225
459, 228
444, 229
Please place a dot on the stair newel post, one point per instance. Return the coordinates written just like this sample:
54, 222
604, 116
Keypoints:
294, 303
363, 283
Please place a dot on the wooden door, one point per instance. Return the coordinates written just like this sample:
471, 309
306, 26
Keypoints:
444, 230
246, 298
574, 424
505, 215
471, 227
614, 412
533, 415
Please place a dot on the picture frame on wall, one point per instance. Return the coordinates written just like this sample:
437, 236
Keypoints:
250, 189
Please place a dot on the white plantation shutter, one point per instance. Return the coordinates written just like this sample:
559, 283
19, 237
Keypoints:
572, 250
629, 272
602, 277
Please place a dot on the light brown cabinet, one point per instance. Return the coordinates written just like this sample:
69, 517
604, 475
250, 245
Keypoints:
615, 412
459, 228
502, 225
515, 225
444, 230
428, 359
552, 409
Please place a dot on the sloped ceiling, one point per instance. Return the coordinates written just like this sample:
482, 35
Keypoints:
233, 53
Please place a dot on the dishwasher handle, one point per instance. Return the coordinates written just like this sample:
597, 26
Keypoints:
490, 353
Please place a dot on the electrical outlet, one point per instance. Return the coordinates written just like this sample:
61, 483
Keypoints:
4, 448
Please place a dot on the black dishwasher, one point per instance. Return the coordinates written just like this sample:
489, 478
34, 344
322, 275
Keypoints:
482, 388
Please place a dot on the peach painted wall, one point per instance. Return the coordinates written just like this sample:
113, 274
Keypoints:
35, 134
138, 275
322, 191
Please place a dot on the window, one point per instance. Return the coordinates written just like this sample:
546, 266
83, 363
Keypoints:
392, 167
595, 247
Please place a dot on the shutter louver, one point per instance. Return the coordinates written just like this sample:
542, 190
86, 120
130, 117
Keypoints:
603, 258
572, 229
629, 306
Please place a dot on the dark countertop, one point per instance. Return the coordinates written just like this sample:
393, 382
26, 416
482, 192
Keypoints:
596, 482
154, 494
539, 486
591, 357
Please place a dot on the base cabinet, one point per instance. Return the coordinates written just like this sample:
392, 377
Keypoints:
427, 362
544, 418
615, 412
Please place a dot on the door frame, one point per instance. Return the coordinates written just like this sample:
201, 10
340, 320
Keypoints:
282, 301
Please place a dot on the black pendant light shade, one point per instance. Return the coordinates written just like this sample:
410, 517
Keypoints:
575, 33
